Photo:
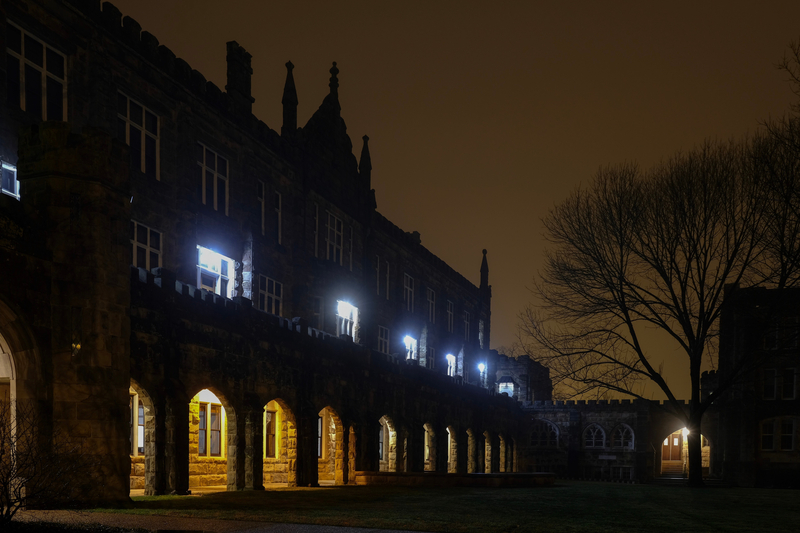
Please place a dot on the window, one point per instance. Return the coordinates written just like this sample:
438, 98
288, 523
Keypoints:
789, 385
451, 311
787, 434
768, 435
137, 411
451, 364
480, 333
214, 271
431, 305
146, 246
380, 443
411, 347
137, 127
270, 295
269, 433
378, 275
507, 387
383, 339
350, 248
319, 437
213, 178
346, 318
622, 438
430, 357
544, 434
334, 239
466, 325
387, 280
318, 319
209, 439
594, 437
408, 292
10, 185
36, 76
770, 376
260, 188
278, 218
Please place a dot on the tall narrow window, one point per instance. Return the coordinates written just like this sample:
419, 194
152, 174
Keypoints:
430, 357
278, 218
137, 127
408, 292
215, 430
466, 325
334, 239
387, 280
36, 76
260, 195
202, 437
346, 318
411, 347
378, 275
146, 243
319, 437
10, 185
380, 443
789, 384
269, 443
480, 333
140, 429
451, 365
350, 248
318, 310
383, 339
768, 435
787, 434
270, 295
431, 305
214, 272
451, 311
213, 178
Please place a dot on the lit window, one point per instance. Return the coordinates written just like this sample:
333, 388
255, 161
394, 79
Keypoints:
431, 305
10, 185
594, 437
622, 438
411, 347
137, 127
466, 325
213, 178
278, 218
270, 295
146, 245
137, 411
408, 292
451, 364
383, 339
381, 442
214, 272
506, 387
36, 76
211, 424
260, 188
346, 318
334, 239
319, 437
270, 420
450, 316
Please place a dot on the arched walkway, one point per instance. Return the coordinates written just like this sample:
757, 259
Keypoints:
280, 444
387, 445
212, 441
430, 448
142, 440
452, 450
675, 454
330, 450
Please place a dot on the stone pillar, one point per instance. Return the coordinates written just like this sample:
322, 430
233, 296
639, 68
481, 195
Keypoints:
400, 450
416, 448
342, 475
352, 459
495, 440
442, 451
462, 452
481, 451
307, 469
176, 446
75, 192
254, 449
368, 450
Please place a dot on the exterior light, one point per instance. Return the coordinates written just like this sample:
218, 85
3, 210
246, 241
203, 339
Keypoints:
409, 341
345, 309
450, 358
685, 432
481, 367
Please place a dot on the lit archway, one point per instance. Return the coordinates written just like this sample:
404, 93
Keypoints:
452, 450
675, 454
142, 440
212, 442
430, 448
387, 445
280, 444
330, 450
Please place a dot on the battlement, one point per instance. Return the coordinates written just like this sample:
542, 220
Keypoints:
595, 405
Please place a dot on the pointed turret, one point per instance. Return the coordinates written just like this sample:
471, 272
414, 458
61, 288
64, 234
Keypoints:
334, 83
365, 164
289, 102
485, 289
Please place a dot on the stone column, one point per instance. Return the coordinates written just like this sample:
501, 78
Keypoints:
416, 448
352, 456
442, 452
495, 440
176, 446
307, 474
342, 475
368, 450
254, 449
401, 435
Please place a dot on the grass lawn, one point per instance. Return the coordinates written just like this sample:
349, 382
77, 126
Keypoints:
570, 506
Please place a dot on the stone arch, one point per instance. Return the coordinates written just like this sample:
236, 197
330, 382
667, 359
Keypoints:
487, 452
594, 436
472, 450
544, 434
212, 440
674, 453
20, 363
280, 444
429, 450
623, 438
142, 439
330, 447
387, 445
452, 450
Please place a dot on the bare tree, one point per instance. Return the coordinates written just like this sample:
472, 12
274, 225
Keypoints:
39, 467
635, 251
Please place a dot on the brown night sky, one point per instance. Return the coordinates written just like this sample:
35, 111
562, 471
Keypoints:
483, 115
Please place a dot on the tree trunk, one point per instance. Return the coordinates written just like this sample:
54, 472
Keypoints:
694, 445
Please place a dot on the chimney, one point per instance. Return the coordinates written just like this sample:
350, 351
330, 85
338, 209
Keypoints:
239, 73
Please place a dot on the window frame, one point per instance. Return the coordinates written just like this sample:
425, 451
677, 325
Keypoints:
277, 200
270, 295
144, 134
216, 175
46, 74
594, 429
619, 443
431, 294
149, 250
467, 318
334, 239
383, 341
10, 168
408, 292
451, 314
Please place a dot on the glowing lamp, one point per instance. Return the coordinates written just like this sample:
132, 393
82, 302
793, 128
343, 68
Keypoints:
450, 358
481, 367
685, 433
409, 341
345, 309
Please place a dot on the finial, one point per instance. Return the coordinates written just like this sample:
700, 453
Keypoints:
289, 66
484, 251
334, 84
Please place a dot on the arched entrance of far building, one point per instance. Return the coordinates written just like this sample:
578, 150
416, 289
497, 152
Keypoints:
675, 454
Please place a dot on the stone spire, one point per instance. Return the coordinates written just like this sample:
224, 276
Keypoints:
289, 102
365, 164
334, 83
484, 273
